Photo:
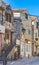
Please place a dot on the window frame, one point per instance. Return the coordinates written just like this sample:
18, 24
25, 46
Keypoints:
8, 17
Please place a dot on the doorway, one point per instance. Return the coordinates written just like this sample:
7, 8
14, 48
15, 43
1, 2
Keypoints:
0, 43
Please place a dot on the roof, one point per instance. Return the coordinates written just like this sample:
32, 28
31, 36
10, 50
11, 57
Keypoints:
19, 9
33, 17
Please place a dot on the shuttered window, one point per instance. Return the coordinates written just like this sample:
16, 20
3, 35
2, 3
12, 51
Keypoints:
26, 15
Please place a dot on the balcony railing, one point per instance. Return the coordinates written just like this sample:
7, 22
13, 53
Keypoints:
8, 25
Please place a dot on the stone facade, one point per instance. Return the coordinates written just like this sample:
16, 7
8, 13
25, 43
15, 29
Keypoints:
26, 38
17, 24
36, 36
6, 28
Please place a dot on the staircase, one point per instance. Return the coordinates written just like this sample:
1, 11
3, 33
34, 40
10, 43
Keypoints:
7, 51
11, 54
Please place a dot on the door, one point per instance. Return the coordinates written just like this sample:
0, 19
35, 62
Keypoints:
18, 51
22, 50
0, 43
28, 50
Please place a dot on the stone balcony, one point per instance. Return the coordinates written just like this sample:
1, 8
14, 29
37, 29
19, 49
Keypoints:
8, 25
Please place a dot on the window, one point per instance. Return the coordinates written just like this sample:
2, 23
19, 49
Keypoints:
23, 29
29, 32
8, 17
0, 17
35, 34
37, 24
26, 15
20, 19
6, 34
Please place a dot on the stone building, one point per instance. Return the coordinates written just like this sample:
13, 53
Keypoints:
22, 34
36, 33
19, 28
26, 36
5, 24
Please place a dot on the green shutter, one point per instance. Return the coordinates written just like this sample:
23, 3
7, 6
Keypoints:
29, 32
26, 15
23, 29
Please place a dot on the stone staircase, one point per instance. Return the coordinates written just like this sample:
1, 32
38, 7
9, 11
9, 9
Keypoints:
7, 51
11, 54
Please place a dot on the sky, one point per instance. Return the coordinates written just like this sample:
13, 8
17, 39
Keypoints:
31, 5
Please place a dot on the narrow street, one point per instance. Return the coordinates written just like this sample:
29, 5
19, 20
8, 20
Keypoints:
30, 61
19, 32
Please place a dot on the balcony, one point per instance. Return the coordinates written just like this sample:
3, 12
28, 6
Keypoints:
2, 29
8, 25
